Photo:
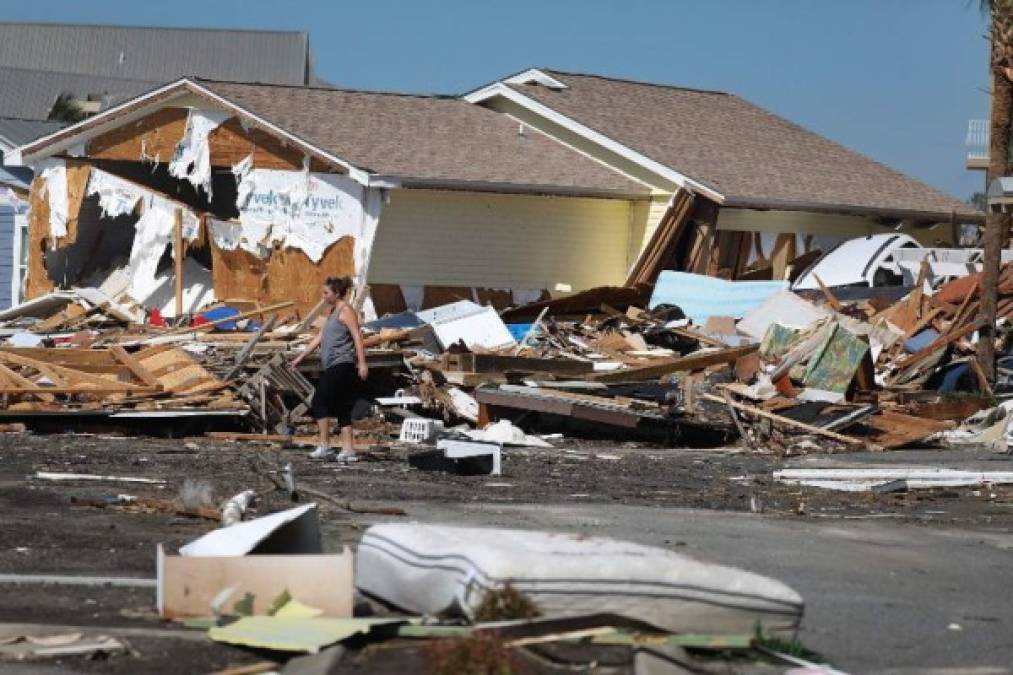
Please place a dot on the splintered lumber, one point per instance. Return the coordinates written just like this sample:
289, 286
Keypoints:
694, 361
581, 303
832, 300
9, 377
609, 411
790, 422
664, 240
895, 430
237, 317
73, 376
497, 363
940, 342
139, 371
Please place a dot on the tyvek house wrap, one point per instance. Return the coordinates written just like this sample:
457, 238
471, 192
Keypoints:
192, 158
116, 197
153, 234
303, 210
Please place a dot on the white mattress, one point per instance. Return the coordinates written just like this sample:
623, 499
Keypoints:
429, 569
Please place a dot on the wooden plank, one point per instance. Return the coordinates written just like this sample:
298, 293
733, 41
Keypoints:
37, 281
939, 343
790, 422
23, 382
498, 363
832, 300
70, 375
695, 361
238, 317
97, 391
135, 367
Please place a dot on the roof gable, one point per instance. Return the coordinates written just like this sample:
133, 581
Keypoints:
747, 154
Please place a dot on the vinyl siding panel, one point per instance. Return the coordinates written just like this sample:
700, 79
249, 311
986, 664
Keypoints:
6, 255
446, 238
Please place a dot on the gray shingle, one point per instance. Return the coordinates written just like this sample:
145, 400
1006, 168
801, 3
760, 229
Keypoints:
745, 152
157, 54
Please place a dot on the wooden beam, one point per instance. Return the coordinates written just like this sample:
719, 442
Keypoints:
786, 421
70, 375
695, 361
238, 317
177, 256
10, 376
135, 367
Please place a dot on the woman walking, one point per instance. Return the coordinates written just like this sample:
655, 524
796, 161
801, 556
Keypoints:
343, 358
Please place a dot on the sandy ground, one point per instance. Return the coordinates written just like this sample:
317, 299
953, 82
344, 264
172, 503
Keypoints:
928, 561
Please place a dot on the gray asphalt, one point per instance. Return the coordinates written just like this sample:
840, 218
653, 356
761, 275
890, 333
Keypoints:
880, 597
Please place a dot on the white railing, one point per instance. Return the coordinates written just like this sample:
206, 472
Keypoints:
977, 139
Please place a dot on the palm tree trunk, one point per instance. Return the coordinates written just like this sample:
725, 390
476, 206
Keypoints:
996, 224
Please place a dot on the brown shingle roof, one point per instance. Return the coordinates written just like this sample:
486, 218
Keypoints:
425, 138
746, 153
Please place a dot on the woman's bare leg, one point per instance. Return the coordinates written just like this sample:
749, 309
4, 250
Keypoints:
324, 425
346, 439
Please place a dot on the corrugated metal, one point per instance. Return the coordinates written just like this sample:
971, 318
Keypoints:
30, 94
6, 255
501, 241
15, 132
157, 54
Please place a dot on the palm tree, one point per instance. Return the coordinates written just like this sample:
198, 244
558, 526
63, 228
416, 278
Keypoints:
1000, 14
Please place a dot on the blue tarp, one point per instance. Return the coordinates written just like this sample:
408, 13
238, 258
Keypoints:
700, 296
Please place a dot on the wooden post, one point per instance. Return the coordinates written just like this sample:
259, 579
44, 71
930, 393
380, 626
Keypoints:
177, 249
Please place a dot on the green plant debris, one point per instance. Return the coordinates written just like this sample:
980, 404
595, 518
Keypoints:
506, 604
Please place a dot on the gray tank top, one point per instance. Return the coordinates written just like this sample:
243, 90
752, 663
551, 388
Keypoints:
337, 345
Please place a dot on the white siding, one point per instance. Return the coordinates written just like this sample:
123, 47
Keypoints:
448, 238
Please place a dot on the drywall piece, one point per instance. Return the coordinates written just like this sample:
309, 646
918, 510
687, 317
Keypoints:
54, 172
188, 585
430, 569
116, 197
192, 158
198, 290
292, 531
701, 296
785, 308
505, 433
464, 320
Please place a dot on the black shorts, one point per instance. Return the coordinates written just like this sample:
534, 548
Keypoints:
336, 393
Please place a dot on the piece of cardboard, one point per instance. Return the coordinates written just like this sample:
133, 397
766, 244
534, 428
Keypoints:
188, 585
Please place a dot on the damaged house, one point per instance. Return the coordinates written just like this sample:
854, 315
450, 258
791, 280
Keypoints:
543, 182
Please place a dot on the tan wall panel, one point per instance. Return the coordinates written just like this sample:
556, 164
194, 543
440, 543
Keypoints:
466, 239
158, 134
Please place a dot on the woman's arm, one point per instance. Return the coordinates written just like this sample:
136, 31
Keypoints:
351, 319
313, 344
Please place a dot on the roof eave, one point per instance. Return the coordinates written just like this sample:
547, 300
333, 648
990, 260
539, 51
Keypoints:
670, 174
854, 210
423, 183
68, 137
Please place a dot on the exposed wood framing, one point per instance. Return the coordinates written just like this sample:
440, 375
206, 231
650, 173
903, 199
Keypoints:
661, 247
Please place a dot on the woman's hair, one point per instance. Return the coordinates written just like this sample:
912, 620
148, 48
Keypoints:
339, 285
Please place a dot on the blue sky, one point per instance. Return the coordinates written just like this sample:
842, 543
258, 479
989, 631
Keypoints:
894, 79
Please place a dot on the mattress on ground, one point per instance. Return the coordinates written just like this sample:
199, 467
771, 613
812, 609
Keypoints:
431, 569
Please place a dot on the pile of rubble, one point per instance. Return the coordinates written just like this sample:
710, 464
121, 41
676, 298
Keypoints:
693, 360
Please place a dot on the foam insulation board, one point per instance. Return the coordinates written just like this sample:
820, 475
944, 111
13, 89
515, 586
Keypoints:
192, 158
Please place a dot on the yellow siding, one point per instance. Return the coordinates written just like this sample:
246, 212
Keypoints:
447, 238
646, 217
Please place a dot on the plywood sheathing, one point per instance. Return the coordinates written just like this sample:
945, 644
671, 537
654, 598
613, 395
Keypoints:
78, 173
151, 137
288, 274
230, 144
37, 281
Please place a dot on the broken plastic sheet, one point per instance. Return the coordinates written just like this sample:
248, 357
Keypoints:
153, 234
192, 158
229, 236
54, 172
116, 197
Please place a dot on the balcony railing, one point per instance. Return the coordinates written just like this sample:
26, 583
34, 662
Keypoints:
977, 144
